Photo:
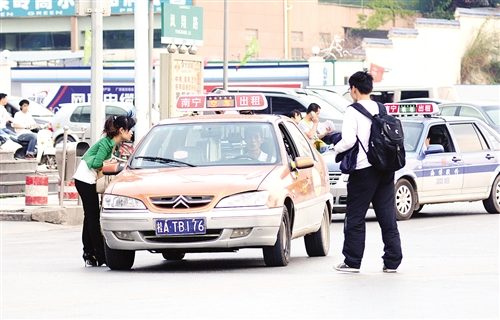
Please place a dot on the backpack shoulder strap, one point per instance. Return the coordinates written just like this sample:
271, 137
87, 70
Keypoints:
381, 109
359, 107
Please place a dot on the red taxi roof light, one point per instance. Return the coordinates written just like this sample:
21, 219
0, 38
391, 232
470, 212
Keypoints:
426, 109
222, 102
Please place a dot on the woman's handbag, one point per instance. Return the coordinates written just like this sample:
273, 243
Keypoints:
102, 181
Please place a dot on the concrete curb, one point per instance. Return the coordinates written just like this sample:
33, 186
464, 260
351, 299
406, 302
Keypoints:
68, 215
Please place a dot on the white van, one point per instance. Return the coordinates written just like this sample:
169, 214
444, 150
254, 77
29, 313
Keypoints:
385, 94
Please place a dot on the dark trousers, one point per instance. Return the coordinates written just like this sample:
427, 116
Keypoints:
365, 186
31, 139
93, 241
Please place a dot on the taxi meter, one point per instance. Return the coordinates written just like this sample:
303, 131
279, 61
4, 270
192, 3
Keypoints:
426, 109
222, 102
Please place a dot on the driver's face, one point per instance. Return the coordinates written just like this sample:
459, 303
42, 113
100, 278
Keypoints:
253, 141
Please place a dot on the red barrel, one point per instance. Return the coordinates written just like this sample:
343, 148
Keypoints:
37, 190
70, 192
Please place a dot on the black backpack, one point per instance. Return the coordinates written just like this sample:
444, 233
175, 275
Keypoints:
386, 150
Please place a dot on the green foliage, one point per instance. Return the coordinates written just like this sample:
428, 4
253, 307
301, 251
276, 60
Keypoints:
481, 60
385, 11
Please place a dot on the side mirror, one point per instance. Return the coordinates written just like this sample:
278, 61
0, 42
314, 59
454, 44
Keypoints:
434, 148
112, 168
303, 162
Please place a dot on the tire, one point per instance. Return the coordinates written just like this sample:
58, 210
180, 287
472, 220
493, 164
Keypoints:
405, 199
279, 254
49, 161
119, 259
318, 243
492, 204
418, 209
60, 139
173, 255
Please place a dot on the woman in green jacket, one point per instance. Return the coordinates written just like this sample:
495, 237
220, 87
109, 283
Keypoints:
116, 130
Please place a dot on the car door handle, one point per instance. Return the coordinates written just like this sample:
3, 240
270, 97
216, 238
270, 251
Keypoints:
456, 159
489, 156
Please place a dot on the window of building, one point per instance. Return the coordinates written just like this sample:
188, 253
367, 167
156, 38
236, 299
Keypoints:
123, 39
250, 33
324, 40
297, 36
297, 53
35, 41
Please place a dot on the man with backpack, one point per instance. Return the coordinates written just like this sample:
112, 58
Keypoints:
367, 183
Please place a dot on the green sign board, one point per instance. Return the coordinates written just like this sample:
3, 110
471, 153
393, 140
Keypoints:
181, 24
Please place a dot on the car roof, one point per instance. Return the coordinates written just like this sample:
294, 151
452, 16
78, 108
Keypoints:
36, 109
224, 118
475, 103
278, 90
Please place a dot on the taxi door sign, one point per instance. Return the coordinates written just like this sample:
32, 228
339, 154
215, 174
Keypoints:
412, 108
222, 102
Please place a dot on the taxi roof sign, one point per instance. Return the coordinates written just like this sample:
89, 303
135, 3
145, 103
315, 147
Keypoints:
426, 108
222, 102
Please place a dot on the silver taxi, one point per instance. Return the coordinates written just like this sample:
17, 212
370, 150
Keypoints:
460, 163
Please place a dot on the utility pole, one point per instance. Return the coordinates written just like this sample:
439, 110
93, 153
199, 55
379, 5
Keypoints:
97, 113
141, 45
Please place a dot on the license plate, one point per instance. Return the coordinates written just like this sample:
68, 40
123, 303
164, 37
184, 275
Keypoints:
180, 226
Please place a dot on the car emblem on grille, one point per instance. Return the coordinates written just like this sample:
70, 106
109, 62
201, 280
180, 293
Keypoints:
181, 201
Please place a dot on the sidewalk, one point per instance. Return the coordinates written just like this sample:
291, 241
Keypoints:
15, 209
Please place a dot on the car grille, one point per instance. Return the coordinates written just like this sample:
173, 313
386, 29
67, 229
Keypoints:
334, 177
211, 234
181, 202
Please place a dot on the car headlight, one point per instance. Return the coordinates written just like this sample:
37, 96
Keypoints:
248, 199
110, 201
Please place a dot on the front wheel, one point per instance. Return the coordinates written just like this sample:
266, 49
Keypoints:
405, 199
119, 259
492, 204
318, 243
279, 254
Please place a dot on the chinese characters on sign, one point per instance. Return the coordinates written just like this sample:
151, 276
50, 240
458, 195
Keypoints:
418, 108
236, 101
181, 24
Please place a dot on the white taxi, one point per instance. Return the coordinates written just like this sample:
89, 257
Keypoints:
460, 163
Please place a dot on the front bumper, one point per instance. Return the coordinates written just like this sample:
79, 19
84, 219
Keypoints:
338, 189
265, 223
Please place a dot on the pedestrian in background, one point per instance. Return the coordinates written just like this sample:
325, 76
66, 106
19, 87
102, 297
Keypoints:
23, 123
366, 184
295, 115
4, 118
116, 130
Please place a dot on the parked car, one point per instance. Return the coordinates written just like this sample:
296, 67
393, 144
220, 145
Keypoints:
487, 111
77, 116
389, 94
283, 100
41, 114
192, 186
335, 99
424, 100
462, 163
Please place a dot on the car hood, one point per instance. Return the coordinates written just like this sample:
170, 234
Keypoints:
193, 181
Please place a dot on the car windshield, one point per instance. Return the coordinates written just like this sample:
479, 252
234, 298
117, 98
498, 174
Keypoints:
413, 132
493, 113
207, 144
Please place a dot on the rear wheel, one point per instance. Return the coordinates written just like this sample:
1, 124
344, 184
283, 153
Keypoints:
173, 255
49, 161
119, 259
318, 243
492, 204
60, 139
405, 199
279, 254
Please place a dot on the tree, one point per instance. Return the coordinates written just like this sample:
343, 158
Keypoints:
385, 11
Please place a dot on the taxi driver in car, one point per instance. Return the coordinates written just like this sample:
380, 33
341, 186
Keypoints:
253, 141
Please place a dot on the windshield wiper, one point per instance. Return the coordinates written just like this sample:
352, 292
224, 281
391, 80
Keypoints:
164, 160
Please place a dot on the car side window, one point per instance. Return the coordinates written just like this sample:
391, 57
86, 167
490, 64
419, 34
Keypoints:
114, 111
448, 111
75, 116
302, 144
85, 116
281, 105
493, 141
471, 112
468, 137
439, 134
